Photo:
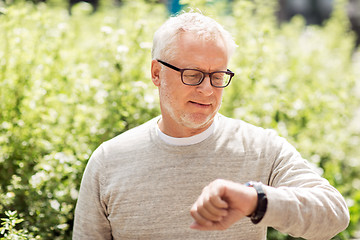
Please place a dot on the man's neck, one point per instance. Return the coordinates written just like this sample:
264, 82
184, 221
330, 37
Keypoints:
185, 141
181, 132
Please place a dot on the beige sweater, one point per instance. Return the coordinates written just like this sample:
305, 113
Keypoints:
136, 186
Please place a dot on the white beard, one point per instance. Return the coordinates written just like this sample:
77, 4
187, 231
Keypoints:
188, 120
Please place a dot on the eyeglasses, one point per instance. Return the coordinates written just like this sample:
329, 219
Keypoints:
194, 77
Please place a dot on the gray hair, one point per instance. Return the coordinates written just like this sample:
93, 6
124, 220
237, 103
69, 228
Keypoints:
202, 26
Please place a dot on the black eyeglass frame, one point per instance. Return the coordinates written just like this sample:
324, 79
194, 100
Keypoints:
228, 72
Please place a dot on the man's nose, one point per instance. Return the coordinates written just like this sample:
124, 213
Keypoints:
205, 87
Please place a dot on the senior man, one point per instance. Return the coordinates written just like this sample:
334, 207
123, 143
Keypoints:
194, 169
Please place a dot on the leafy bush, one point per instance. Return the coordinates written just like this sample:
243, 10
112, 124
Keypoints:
67, 84
300, 81
70, 83
8, 229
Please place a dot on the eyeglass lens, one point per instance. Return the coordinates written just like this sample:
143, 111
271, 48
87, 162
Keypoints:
194, 77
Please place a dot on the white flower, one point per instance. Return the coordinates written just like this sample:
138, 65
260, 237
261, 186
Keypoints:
106, 29
122, 49
62, 26
37, 179
101, 95
55, 204
146, 45
121, 31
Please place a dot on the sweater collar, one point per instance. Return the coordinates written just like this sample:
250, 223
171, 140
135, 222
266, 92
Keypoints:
187, 141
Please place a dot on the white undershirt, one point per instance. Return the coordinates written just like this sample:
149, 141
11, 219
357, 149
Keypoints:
185, 141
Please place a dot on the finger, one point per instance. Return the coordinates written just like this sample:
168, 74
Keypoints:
197, 226
207, 210
199, 219
218, 202
211, 212
214, 226
202, 211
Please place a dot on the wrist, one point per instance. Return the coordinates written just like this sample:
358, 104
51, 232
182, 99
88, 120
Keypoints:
261, 204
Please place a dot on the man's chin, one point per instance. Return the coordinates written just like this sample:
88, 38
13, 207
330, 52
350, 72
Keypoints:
197, 121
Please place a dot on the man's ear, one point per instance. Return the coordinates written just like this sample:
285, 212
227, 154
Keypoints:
155, 72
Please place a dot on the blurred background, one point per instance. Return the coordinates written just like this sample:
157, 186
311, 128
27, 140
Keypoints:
74, 74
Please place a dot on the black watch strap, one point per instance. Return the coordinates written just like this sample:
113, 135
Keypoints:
260, 210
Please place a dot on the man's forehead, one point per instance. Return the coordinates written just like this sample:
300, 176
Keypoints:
190, 39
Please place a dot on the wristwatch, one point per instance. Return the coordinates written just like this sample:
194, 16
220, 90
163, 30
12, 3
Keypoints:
262, 201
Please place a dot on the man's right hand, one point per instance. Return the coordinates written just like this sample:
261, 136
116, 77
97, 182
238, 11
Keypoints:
221, 204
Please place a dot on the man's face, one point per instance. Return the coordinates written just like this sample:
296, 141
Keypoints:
189, 110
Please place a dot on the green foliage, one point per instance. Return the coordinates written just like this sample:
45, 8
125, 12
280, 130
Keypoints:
8, 229
69, 83
300, 81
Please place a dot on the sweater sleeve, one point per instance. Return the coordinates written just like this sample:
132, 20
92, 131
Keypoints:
300, 202
90, 214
